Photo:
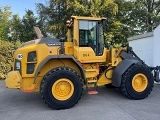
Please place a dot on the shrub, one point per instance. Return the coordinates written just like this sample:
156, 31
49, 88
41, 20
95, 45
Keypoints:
6, 50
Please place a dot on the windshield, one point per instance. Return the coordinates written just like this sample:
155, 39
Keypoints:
87, 33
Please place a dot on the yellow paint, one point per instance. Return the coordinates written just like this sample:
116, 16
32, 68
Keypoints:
63, 89
68, 48
91, 70
76, 33
139, 82
91, 73
87, 55
115, 53
13, 79
108, 73
106, 77
58, 63
42, 51
88, 18
38, 83
27, 85
31, 88
69, 35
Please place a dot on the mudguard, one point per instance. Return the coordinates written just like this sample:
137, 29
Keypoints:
64, 56
120, 69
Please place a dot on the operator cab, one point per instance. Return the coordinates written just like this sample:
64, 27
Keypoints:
88, 37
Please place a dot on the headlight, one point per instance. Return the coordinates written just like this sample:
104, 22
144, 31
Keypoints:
17, 65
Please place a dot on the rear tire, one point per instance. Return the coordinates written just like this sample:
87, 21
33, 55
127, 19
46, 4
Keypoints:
137, 82
109, 86
61, 88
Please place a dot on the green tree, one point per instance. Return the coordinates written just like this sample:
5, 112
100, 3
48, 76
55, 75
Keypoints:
16, 28
5, 14
121, 26
146, 15
134, 17
125, 18
54, 14
22, 29
28, 22
99, 8
95, 8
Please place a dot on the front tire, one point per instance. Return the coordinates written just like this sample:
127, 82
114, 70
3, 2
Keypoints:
61, 88
137, 82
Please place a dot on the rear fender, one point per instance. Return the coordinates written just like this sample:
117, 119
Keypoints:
59, 57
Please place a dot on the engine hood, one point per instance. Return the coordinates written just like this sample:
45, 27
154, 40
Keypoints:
47, 41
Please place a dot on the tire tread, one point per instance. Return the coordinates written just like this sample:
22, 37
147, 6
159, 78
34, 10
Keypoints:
45, 80
123, 88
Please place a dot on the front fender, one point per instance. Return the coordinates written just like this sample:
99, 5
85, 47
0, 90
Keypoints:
120, 69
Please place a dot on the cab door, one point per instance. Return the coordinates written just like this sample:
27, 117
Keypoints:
89, 41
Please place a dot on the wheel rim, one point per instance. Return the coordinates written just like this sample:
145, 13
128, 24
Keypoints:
139, 82
62, 89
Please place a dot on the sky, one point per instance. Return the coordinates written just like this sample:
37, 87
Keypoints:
19, 6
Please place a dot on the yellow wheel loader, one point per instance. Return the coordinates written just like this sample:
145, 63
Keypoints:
61, 68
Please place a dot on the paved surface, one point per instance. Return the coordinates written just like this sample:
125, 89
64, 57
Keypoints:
108, 104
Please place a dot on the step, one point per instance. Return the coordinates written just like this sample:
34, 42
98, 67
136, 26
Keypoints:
91, 81
90, 73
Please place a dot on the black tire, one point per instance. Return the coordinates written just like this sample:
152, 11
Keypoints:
48, 81
126, 85
109, 86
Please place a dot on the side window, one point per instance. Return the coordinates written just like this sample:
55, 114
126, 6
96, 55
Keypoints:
87, 34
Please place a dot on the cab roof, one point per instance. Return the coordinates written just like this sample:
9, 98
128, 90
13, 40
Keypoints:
87, 18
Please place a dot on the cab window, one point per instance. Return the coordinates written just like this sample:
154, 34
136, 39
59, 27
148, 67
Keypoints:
91, 35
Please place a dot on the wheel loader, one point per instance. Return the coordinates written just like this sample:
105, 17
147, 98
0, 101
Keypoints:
61, 68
